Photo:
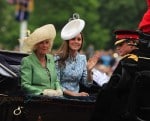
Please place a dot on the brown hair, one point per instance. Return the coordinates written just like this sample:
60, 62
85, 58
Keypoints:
63, 51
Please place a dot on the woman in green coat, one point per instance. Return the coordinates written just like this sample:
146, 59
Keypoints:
38, 73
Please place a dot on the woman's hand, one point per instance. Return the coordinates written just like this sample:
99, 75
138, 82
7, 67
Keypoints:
93, 60
67, 92
83, 94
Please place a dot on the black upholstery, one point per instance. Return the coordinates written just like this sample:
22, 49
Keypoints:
9, 72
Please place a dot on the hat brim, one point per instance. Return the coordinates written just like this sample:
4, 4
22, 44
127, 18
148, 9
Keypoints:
40, 34
72, 29
119, 41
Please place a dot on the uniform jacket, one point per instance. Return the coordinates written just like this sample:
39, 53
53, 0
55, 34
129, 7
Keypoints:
35, 78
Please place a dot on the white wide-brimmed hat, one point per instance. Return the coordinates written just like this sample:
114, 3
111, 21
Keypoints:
72, 29
40, 34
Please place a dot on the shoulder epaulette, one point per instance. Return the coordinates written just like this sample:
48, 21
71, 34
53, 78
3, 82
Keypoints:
133, 56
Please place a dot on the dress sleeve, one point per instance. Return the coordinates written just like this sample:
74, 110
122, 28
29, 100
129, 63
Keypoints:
84, 73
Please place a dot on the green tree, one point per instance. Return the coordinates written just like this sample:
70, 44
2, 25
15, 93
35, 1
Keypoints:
102, 17
120, 14
8, 27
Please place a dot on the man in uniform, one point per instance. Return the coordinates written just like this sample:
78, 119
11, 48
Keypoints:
113, 100
127, 47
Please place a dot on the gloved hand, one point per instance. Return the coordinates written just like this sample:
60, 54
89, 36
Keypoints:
59, 92
51, 92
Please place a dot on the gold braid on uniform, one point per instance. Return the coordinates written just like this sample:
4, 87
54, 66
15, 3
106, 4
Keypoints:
132, 56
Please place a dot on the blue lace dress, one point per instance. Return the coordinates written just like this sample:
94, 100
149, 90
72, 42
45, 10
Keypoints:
74, 72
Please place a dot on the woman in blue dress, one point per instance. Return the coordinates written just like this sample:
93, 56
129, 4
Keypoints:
71, 65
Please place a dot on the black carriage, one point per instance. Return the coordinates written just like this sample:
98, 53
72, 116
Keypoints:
15, 106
